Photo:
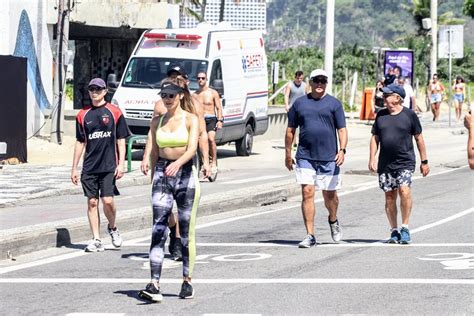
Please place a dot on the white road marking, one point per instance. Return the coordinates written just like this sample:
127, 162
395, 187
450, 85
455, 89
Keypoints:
340, 245
240, 281
219, 222
253, 179
447, 219
94, 314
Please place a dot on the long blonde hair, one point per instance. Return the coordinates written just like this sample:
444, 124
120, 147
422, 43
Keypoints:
186, 102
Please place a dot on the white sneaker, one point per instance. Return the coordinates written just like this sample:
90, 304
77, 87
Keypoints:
95, 246
307, 242
116, 238
336, 231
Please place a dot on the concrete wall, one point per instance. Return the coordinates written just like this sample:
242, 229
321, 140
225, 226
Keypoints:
139, 14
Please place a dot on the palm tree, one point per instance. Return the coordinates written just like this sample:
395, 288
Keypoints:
222, 7
185, 6
421, 9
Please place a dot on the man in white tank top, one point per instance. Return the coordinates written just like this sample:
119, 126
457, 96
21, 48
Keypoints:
294, 90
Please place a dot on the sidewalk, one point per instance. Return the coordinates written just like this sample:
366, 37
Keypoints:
32, 195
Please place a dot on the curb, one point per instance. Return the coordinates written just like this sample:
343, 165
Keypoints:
68, 233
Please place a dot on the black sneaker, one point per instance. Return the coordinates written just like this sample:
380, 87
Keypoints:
176, 252
151, 293
187, 290
394, 237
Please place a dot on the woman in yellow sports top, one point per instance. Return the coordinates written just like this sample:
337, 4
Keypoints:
174, 143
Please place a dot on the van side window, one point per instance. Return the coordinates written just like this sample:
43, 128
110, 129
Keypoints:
216, 81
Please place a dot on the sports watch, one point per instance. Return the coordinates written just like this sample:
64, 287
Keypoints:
343, 150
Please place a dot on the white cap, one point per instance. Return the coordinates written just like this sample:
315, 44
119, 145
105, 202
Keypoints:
318, 73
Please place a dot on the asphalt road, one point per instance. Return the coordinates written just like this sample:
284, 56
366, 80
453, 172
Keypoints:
248, 263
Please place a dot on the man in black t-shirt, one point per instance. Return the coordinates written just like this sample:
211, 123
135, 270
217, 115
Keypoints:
393, 130
100, 130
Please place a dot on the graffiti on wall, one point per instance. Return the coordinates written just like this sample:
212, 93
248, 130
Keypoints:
25, 47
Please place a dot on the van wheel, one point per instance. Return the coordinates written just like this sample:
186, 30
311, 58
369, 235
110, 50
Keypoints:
243, 146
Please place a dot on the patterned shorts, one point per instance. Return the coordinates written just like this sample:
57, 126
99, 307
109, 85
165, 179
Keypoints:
395, 179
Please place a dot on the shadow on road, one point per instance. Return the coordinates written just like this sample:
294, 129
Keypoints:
280, 242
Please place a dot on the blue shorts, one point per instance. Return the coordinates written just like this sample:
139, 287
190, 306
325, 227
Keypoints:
393, 180
459, 97
325, 175
436, 97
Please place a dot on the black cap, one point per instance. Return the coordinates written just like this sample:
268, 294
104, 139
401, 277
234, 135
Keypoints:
394, 89
178, 69
171, 88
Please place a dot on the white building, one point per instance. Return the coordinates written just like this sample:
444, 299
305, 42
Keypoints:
250, 14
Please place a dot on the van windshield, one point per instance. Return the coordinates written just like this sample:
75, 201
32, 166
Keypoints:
147, 72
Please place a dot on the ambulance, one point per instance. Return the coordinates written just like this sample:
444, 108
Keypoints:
236, 66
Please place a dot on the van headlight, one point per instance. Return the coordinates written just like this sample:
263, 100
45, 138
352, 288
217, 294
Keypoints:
115, 102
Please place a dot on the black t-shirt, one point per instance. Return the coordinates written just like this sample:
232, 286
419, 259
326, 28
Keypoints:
99, 128
395, 134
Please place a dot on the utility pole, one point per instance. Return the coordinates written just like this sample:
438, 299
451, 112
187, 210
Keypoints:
221, 10
329, 49
434, 36
62, 38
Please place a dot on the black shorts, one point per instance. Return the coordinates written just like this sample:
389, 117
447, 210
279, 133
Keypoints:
211, 123
99, 184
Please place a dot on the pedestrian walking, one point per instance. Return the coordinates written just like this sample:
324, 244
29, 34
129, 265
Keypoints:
160, 109
378, 101
320, 119
211, 102
100, 131
469, 124
435, 95
174, 140
459, 88
409, 101
294, 89
392, 135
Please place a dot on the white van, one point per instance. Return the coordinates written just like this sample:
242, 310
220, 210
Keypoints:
235, 63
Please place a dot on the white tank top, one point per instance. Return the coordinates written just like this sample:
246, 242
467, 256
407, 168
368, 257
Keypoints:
296, 91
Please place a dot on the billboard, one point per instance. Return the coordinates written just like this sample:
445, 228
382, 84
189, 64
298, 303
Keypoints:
399, 63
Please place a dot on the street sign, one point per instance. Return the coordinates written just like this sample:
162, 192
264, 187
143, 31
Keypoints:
453, 34
276, 70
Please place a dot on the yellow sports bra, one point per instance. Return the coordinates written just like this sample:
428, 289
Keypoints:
178, 138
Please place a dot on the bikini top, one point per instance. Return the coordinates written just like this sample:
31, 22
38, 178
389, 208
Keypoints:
177, 138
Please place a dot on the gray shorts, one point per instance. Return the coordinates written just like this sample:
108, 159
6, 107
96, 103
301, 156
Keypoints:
393, 180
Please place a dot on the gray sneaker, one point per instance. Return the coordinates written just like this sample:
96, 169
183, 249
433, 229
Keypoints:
95, 246
307, 242
336, 231
115, 235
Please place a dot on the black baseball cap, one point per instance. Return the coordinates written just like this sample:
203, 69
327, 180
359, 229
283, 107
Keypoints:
178, 69
171, 88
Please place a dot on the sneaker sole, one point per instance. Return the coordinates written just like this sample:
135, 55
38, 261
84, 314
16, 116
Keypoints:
187, 297
405, 242
97, 250
305, 246
150, 297
392, 241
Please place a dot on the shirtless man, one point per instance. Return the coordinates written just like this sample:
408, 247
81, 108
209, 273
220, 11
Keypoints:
211, 102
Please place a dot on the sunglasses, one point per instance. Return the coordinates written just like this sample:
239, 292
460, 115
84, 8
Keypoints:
321, 81
95, 89
201, 78
167, 95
